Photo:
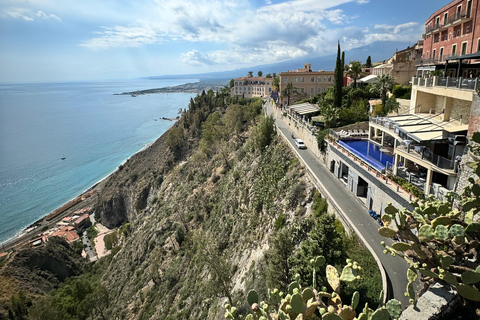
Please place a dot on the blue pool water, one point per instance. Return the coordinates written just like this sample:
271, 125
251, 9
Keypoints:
369, 152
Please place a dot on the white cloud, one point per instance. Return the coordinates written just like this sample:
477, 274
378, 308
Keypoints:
27, 14
271, 33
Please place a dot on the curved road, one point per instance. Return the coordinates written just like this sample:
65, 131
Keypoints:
356, 212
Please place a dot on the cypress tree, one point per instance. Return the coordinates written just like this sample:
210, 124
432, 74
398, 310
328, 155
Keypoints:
343, 62
368, 64
337, 89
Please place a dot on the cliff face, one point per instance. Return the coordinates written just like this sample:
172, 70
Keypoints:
38, 270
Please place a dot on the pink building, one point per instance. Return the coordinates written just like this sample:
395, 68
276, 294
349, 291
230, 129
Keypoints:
452, 31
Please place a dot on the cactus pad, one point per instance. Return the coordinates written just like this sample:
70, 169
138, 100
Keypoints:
425, 233
401, 246
292, 286
446, 261
333, 277
318, 262
428, 273
331, 316
348, 274
380, 314
456, 231
411, 274
468, 292
390, 209
298, 306
444, 221
470, 277
394, 308
441, 233
387, 232
355, 299
252, 297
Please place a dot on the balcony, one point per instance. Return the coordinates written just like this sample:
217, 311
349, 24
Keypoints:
448, 82
423, 153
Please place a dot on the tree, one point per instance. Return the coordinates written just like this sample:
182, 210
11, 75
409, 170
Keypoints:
250, 73
343, 63
268, 75
337, 99
276, 83
264, 133
354, 72
368, 64
232, 83
278, 270
260, 73
289, 91
274, 75
383, 84
208, 256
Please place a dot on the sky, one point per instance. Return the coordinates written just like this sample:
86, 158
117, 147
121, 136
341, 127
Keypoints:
71, 40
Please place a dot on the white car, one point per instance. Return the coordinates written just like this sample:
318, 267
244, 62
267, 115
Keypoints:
300, 144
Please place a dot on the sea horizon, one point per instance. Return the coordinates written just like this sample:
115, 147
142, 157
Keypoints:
83, 122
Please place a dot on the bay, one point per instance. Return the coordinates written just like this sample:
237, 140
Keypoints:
93, 129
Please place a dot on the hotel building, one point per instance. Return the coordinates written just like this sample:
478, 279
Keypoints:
250, 87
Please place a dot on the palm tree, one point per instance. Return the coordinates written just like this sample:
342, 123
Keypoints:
288, 91
382, 86
355, 71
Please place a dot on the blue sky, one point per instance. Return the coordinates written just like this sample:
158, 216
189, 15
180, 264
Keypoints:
71, 40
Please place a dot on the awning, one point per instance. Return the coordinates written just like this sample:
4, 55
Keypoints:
368, 79
424, 127
475, 55
304, 108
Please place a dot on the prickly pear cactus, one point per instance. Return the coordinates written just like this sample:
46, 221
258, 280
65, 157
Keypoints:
437, 242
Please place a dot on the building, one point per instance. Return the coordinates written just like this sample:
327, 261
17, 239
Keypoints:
250, 87
306, 83
452, 31
402, 65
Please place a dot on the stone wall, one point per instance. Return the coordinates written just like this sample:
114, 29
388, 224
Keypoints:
460, 108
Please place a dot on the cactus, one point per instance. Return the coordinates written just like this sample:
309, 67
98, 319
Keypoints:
411, 274
394, 308
387, 232
456, 230
333, 278
425, 233
316, 263
468, 292
441, 233
401, 246
292, 286
252, 297
355, 299
380, 314
470, 277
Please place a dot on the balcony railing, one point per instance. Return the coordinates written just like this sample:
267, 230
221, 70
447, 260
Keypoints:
449, 82
424, 153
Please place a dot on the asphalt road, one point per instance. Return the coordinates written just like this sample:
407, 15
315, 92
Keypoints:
357, 213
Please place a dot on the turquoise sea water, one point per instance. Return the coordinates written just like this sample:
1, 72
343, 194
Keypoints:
85, 123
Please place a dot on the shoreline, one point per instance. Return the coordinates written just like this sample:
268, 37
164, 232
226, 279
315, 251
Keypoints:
28, 232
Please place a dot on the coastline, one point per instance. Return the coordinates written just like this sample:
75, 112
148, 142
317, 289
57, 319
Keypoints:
27, 233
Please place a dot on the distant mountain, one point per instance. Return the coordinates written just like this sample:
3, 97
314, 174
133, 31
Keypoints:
380, 50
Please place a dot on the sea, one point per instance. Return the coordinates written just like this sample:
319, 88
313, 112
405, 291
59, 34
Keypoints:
83, 122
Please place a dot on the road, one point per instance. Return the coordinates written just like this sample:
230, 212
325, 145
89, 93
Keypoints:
356, 212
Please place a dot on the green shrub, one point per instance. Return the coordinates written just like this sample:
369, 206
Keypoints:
280, 222
92, 233
401, 92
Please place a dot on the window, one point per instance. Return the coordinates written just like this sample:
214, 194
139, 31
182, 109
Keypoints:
478, 45
286, 80
459, 12
441, 54
454, 50
464, 47
312, 79
303, 79
319, 79
330, 79
434, 54
437, 23
469, 8
312, 90
296, 79
445, 18
319, 89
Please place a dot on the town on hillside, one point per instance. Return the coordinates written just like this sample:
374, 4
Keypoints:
393, 133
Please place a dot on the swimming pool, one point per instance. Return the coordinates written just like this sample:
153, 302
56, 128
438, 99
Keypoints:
369, 152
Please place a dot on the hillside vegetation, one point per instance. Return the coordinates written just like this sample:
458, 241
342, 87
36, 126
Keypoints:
217, 206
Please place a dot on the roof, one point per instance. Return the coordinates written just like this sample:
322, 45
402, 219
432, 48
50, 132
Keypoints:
304, 108
424, 127
368, 79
